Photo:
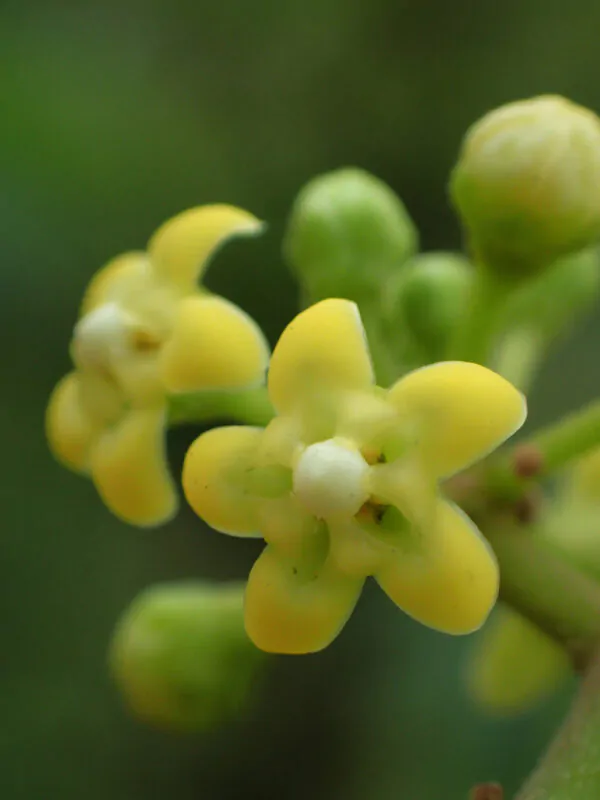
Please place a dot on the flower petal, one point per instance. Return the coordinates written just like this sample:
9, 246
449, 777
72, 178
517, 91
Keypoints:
450, 585
286, 524
288, 611
214, 345
460, 412
213, 484
515, 665
130, 470
353, 551
69, 429
182, 246
323, 348
105, 285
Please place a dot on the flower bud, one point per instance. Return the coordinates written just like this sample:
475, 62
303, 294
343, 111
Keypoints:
552, 302
429, 297
527, 184
181, 656
347, 233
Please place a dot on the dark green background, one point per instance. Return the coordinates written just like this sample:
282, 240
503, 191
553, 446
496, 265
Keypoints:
116, 115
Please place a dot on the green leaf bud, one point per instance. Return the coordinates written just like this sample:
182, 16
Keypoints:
527, 184
429, 297
181, 657
553, 301
347, 233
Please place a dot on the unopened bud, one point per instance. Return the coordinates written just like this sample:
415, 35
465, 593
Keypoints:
181, 656
429, 298
527, 184
348, 232
514, 665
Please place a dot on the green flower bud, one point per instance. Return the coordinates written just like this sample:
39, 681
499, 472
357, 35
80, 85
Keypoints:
552, 302
347, 233
429, 298
181, 656
527, 184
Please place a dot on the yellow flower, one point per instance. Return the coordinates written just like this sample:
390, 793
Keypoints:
514, 665
342, 484
147, 330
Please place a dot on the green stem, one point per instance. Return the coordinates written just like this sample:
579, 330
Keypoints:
519, 356
556, 446
248, 406
570, 770
550, 592
475, 337
386, 365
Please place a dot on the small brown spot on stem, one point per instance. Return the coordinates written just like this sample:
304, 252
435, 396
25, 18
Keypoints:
526, 508
487, 791
527, 461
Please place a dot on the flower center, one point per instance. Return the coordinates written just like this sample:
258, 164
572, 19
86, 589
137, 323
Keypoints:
107, 334
101, 336
329, 479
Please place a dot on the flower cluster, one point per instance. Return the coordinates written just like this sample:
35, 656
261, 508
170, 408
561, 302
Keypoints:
343, 484
146, 330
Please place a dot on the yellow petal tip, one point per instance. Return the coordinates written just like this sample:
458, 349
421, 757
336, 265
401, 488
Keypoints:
324, 347
181, 247
68, 429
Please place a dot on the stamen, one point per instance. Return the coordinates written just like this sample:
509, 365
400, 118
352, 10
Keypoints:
329, 479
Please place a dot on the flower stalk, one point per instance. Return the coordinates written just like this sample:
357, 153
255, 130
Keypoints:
557, 446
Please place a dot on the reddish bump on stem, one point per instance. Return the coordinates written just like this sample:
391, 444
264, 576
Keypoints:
526, 508
527, 461
487, 791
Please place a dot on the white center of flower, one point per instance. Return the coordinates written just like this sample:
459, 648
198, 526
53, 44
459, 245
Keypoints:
102, 334
329, 479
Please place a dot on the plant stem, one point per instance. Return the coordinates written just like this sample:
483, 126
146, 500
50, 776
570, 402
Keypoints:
519, 356
550, 592
556, 445
474, 338
386, 365
570, 770
248, 406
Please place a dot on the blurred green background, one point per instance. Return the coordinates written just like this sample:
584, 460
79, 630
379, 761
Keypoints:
115, 116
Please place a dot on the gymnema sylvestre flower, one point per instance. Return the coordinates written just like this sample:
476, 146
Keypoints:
146, 330
343, 484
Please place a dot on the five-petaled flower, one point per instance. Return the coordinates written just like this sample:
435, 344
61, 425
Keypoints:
147, 330
343, 484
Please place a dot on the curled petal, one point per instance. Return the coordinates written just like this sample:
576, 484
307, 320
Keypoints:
213, 479
515, 665
214, 345
458, 412
291, 611
69, 429
107, 283
130, 470
182, 246
323, 348
451, 582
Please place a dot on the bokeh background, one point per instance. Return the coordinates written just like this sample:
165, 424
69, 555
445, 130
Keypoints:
116, 115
